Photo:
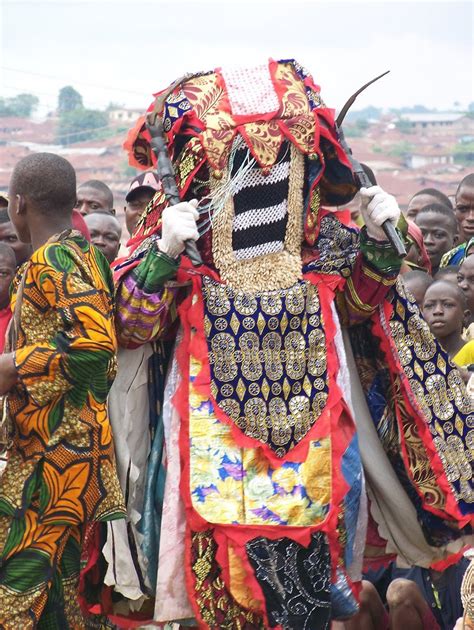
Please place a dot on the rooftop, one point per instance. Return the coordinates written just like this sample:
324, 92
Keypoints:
435, 117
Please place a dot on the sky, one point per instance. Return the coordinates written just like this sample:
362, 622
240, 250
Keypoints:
123, 51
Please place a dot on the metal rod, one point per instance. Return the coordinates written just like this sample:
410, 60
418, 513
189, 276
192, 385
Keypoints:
165, 171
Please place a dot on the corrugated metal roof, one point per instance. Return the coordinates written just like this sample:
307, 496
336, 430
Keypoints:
432, 117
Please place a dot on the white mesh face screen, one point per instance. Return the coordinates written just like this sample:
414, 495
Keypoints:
260, 208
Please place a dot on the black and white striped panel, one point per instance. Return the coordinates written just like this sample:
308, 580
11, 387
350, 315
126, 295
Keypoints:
260, 207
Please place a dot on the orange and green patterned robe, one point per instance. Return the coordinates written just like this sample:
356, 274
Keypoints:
60, 472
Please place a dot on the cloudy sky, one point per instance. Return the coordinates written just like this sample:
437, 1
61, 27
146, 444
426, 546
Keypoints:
122, 51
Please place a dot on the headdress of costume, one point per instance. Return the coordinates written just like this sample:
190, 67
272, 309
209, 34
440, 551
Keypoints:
271, 475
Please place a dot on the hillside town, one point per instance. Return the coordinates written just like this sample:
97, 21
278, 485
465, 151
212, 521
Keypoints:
406, 151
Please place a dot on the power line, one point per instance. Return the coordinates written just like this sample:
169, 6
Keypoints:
118, 134
49, 76
94, 105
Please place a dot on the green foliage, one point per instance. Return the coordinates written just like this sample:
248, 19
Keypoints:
80, 125
463, 147
351, 131
400, 149
464, 153
362, 124
404, 126
415, 109
69, 100
377, 149
21, 105
366, 113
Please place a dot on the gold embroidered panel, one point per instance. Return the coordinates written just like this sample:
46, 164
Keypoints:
267, 358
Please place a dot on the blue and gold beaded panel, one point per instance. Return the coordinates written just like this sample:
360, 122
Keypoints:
439, 392
267, 357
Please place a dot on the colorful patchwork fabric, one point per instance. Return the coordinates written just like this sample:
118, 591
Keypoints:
238, 488
232, 485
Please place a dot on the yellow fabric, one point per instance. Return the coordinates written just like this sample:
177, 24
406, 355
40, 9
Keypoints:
468, 333
465, 356
234, 485
65, 357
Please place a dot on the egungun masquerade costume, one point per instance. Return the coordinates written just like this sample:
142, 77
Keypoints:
264, 387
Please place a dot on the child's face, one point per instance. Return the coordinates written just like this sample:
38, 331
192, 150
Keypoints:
7, 271
466, 281
438, 235
443, 310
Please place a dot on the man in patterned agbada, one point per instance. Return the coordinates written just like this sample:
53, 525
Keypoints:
54, 377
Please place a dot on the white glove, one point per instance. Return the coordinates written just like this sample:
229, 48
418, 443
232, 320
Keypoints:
178, 226
376, 207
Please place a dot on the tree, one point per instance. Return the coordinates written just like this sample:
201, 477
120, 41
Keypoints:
80, 125
404, 126
69, 100
419, 109
464, 153
400, 149
21, 105
367, 113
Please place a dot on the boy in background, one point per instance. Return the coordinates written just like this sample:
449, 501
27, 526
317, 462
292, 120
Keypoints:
445, 310
8, 236
440, 229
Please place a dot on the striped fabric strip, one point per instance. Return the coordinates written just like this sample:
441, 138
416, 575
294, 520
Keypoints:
260, 207
265, 215
259, 250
